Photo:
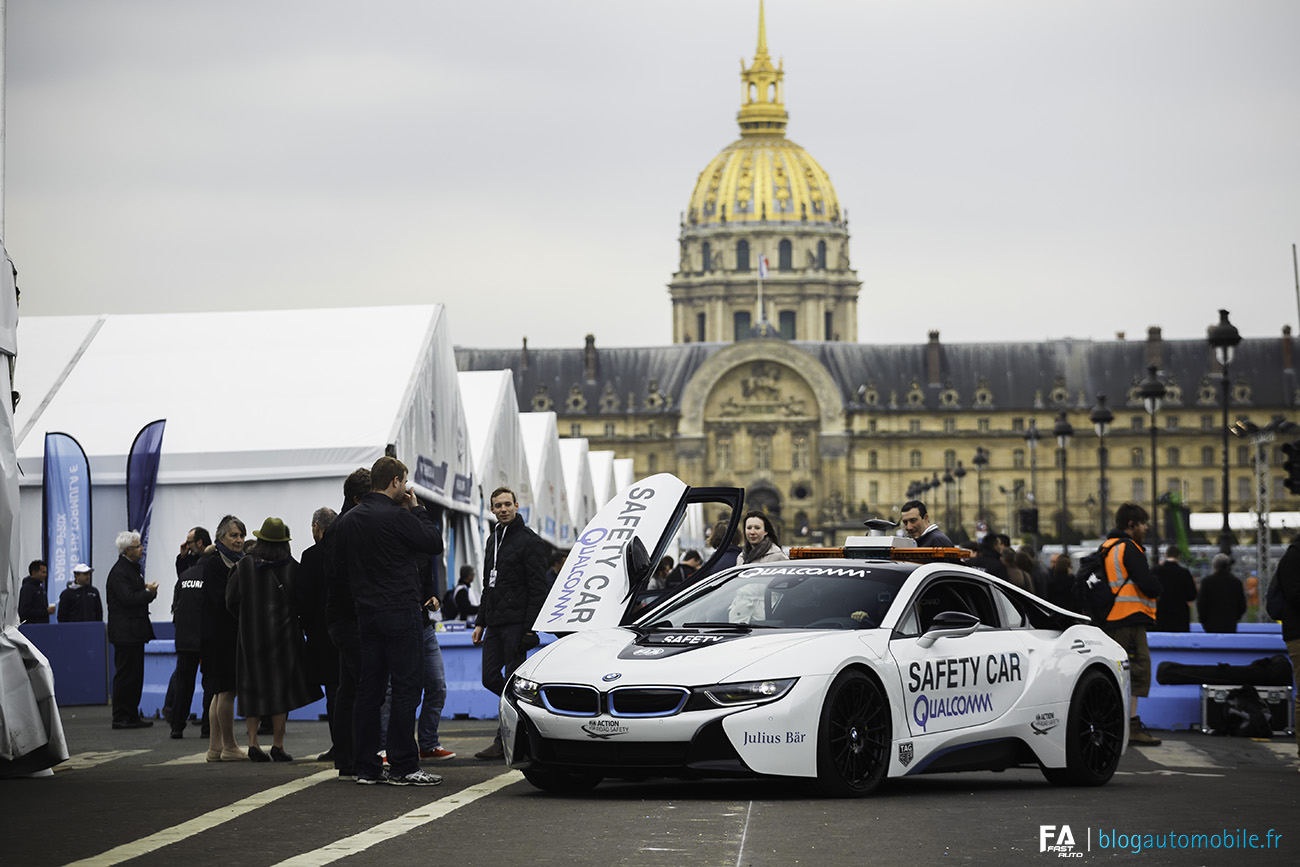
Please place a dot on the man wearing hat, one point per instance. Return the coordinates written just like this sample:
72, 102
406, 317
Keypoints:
80, 602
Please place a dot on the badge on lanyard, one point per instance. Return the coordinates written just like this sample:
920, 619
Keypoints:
492, 578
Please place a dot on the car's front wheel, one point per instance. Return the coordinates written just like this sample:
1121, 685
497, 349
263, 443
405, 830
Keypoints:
853, 737
561, 782
1094, 733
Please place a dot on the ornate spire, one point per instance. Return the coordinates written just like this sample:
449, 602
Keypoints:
762, 110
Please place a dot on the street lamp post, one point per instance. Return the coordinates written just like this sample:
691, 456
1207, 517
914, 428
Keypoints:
980, 461
1224, 338
1152, 391
959, 474
1031, 441
1063, 430
947, 500
1101, 417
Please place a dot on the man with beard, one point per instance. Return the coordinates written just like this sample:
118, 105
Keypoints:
514, 588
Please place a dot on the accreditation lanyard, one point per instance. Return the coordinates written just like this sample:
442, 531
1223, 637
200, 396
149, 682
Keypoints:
496, 554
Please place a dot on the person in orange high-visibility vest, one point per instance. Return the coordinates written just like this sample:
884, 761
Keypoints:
1135, 589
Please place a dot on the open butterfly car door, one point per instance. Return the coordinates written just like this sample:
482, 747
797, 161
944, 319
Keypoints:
603, 582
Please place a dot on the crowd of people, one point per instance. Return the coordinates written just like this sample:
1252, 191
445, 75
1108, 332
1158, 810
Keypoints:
354, 616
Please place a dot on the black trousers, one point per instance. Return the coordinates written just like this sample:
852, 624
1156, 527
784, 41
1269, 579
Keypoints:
187, 668
348, 642
128, 681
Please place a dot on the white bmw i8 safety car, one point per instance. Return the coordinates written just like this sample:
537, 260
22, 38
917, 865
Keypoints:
842, 667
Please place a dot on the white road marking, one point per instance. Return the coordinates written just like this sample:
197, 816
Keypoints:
196, 759
402, 824
1176, 754
744, 832
176, 833
1286, 752
81, 761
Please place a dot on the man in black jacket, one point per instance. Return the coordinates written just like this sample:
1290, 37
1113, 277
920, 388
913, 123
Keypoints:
33, 599
1177, 589
1288, 573
187, 618
1222, 600
129, 629
341, 624
81, 603
380, 544
514, 588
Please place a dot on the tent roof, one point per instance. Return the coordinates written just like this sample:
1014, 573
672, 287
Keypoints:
247, 395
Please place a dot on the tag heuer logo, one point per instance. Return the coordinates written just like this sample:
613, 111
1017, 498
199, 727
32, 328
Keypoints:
905, 753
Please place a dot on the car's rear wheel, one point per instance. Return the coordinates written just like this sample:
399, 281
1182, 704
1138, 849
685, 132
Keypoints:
853, 737
1094, 733
562, 782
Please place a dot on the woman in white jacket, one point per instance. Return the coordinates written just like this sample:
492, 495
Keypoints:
761, 545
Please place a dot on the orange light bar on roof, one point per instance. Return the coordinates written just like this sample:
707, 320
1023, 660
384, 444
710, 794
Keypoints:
907, 555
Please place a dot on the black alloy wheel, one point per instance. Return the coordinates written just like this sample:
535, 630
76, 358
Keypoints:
1094, 733
853, 737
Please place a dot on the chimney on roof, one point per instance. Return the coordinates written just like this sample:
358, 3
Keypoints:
932, 375
589, 367
1119, 335
523, 356
1288, 350
1155, 348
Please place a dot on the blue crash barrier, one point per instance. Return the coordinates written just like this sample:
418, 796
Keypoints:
82, 663
79, 657
1178, 706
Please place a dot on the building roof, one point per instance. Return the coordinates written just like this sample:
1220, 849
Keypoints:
1044, 376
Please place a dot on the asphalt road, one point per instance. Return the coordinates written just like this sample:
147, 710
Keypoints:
139, 797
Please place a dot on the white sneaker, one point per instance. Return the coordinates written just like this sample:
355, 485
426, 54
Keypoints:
416, 778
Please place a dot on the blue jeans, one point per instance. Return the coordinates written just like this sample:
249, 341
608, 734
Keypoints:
390, 649
435, 694
435, 691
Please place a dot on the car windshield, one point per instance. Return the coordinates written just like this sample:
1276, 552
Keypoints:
788, 595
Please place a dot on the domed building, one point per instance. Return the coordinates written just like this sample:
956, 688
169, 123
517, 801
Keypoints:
766, 387
764, 196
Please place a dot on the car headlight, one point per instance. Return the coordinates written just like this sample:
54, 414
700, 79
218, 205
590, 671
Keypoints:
749, 692
527, 691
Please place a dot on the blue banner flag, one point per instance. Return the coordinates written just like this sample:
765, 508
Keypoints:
65, 521
142, 479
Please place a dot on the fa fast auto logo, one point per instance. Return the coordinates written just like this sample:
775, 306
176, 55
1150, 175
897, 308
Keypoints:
1058, 840
605, 729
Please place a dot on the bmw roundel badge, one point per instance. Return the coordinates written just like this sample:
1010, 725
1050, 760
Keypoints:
613, 675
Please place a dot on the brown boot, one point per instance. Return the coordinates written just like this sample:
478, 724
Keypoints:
496, 751
1139, 734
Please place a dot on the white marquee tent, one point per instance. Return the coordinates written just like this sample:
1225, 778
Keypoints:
266, 414
551, 517
602, 476
492, 413
577, 481
624, 474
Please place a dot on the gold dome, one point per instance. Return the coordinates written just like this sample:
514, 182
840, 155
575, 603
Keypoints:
762, 175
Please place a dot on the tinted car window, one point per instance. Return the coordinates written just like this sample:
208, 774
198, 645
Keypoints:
789, 595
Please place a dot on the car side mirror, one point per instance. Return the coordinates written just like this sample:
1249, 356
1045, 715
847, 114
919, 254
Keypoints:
949, 624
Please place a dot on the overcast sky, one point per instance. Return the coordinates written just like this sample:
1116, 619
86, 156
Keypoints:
1012, 170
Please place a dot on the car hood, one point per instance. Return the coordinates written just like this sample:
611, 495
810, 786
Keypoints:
686, 657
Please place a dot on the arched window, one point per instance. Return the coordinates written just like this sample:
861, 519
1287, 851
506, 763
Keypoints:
785, 256
1136, 457
742, 255
873, 460
949, 459
708, 256
1172, 457
1018, 459
821, 255
762, 452
914, 459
